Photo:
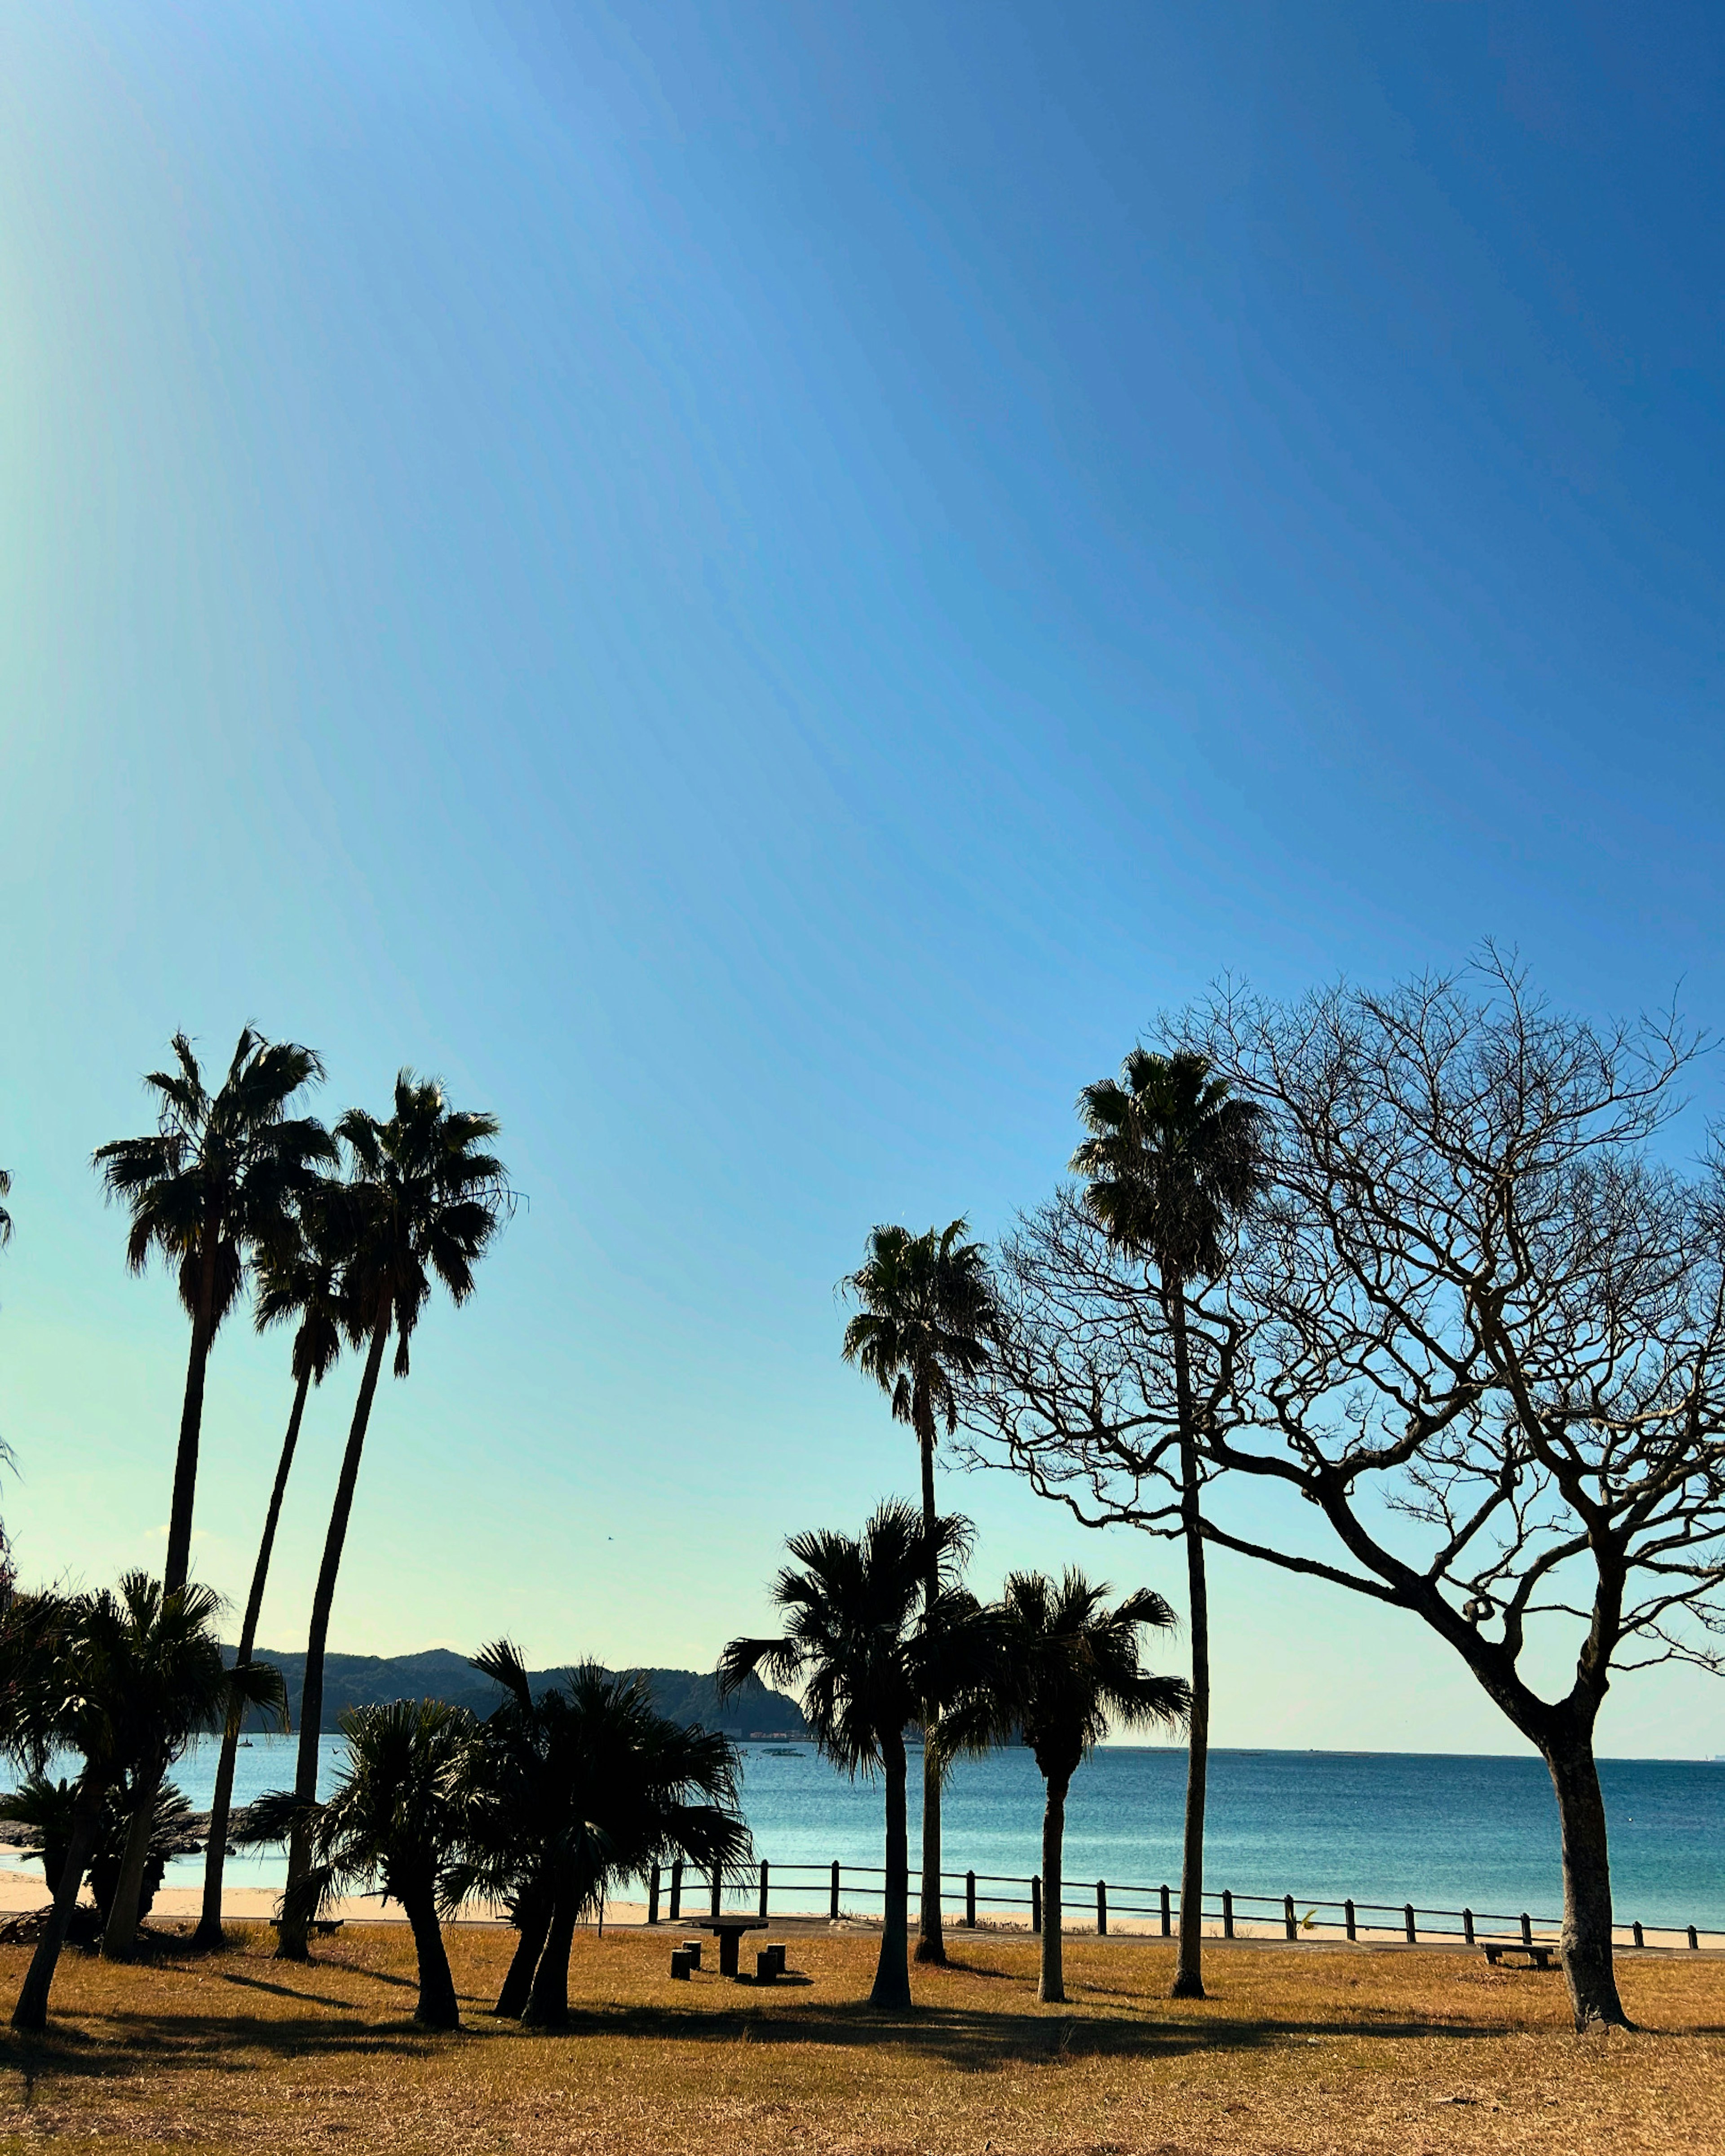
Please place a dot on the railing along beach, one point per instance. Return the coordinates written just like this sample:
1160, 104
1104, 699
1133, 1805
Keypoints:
834, 1889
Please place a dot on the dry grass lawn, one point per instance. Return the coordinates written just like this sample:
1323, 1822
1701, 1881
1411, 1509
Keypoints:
1299, 2049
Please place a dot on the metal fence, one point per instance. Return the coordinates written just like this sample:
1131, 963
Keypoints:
807, 1889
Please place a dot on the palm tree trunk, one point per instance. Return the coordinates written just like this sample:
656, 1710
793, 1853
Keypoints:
291, 1940
1188, 1969
215, 1856
120, 1935
892, 1974
178, 1562
534, 1916
1052, 1989
930, 1940
438, 2007
548, 2000
31, 2011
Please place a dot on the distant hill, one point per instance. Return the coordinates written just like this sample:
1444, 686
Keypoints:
369, 1680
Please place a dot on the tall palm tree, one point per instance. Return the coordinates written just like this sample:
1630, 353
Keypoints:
1073, 1670
1173, 1163
583, 1788
129, 1678
873, 1654
298, 1283
204, 1189
425, 1199
400, 1818
926, 1305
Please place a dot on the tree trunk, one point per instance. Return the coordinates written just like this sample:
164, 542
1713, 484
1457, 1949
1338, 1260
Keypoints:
534, 1916
548, 2000
931, 1939
209, 1924
120, 1935
1586, 1945
178, 1562
292, 1937
31, 2012
1189, 1968
1052, 1989
438, 2008
892, 1974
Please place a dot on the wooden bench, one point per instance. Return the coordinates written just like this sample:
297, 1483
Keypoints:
1538, 1957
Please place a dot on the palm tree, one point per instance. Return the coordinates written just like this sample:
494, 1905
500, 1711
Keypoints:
870, 1665
425, 1200
177, 1688
298, 1282
584, 1787
124, 1679
926, 1303
204, 1189
400, 1818
45, 1809
1073, 1670
5, 1217
1173, 1164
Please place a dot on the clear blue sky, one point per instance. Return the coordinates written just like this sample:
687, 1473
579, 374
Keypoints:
759, 587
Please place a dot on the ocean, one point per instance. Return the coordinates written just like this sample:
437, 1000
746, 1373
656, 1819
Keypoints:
1441, 1831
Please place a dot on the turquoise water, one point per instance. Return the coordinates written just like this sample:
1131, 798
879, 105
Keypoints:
1437, 1830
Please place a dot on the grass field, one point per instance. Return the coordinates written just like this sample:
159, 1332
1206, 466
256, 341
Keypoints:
1299, 2049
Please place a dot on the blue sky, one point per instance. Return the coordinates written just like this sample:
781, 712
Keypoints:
760, 588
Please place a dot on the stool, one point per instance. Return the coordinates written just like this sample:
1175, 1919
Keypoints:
681, 1965
692, 1948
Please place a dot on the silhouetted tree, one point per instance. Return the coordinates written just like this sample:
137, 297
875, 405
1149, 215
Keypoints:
426, 1200
1072, 1669
124, 1680
921, 1331
204, 1189
1490, 1312
400, 1818
1171, 1163
583, 1788
870, 1664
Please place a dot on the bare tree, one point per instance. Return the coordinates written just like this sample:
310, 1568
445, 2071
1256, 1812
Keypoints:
1478, 1328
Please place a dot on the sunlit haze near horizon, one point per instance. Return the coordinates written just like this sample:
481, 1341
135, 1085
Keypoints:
759, 588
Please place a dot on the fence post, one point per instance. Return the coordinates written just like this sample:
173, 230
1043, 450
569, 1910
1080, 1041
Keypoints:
1527, 1929
1227, 1914
718, 1887
1467, 1926
652, 1896
1168, 1927
764, 1886
1636, 1929
1347, 1918
1287, 1916
833, 1911
676, 1888
1694, 1942
1036, 1903
1101, 1909
1408, 1921
970, 1899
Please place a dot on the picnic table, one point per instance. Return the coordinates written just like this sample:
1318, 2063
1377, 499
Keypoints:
729, 1928
1538, 1956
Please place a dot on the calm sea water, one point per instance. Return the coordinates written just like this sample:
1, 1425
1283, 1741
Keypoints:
1439, 1831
